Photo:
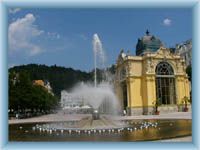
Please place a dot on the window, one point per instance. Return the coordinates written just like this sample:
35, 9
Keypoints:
165, 83
164, 68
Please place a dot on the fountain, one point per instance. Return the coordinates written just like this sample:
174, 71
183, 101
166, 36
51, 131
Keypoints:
99, 96
99, 55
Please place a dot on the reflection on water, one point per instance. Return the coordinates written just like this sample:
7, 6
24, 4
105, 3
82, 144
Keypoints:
164, 129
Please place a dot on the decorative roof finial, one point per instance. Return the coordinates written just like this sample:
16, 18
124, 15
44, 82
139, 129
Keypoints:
147, 32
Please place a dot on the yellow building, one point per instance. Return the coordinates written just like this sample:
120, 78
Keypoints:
44, 84
154, 74
38, 82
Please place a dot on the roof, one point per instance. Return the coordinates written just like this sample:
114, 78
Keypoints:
148, 43
38, 82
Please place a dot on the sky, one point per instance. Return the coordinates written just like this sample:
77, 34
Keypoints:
64, 36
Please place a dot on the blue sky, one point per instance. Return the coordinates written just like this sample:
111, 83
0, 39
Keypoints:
64, 36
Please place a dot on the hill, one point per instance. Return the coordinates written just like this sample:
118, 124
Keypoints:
59, 77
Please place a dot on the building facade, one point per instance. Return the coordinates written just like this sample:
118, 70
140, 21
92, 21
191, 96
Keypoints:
70, 100
76, 101
185, 51
45, 84
151, 76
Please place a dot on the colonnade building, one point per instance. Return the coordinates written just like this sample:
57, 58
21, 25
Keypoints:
154, 74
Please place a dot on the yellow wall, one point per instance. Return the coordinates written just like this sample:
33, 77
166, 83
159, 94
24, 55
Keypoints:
38, 82
135, 93
140, 77
182, 88
151, 90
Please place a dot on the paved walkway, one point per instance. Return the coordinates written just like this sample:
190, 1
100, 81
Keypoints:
175, 115
75, 117
50, 118
181, 139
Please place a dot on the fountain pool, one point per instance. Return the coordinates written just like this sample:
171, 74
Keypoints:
135, 130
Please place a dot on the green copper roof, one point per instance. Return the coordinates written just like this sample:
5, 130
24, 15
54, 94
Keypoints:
148, 43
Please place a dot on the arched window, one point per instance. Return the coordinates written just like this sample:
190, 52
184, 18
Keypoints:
165, 83
164, 68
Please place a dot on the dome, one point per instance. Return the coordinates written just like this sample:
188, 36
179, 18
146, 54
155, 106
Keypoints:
148, 43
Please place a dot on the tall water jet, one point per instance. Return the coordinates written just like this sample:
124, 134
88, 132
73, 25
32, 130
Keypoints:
98, 96
99, 55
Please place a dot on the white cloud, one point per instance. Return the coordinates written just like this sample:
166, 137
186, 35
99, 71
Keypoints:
53, 35
167, 22
14, 10
21, 34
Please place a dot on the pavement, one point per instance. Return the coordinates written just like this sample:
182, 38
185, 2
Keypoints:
181, 139
59, 117
174, 115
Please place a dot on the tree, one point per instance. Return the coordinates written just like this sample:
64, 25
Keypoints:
59, 77
24, 95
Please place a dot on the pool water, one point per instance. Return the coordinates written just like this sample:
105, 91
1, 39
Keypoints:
165, 129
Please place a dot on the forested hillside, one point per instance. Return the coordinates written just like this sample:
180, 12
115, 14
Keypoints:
59, 77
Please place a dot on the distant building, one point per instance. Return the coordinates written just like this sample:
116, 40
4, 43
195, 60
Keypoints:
48, 86
45, 84
38, 82
73, 103
80, 104
185, 51
69, 100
